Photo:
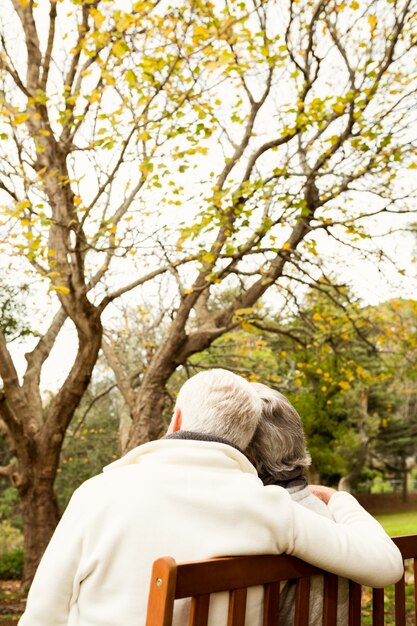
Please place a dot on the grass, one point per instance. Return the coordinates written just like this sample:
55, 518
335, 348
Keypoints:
404, 523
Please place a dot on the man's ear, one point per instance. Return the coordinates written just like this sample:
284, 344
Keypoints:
176, 421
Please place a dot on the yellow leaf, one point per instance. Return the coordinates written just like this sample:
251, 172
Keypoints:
338, 108
213, 65
21, 118
23, 204
372, 21
200, 31
344, 384
120, 48
98, 18
124, 23
61, 289
208, 257
247, 311
248, 327
95, 96
131, 77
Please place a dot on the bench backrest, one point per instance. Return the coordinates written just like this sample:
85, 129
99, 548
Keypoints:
198, 579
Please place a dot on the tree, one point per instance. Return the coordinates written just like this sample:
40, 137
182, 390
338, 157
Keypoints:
263, 125
395, 449
69, 100
349, 369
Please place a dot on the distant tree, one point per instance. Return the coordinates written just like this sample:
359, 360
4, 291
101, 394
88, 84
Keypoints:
91, 441
266, 127
395, 449
350, 371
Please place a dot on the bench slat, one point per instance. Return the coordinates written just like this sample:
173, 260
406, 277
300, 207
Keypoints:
330, 600
378, 607
355, 597
400, 603
271, 604
199, 610
302, 602
415, 588
237, 607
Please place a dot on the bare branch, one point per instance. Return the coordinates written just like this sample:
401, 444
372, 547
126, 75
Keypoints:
142, 280
25, 13
38, 356
49, 47
123, 381
9, 191
11, 70
90, 406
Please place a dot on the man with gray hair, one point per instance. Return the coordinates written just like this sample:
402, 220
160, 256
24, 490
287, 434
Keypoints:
278, 451
192, 495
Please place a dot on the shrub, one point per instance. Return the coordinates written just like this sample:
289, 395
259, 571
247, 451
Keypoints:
11, 565
11, 538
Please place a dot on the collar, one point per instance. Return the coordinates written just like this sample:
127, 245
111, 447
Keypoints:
197, 450
195, 436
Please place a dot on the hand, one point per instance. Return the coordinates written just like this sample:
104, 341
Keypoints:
322, 492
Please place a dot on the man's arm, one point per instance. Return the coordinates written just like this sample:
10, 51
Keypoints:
354, 545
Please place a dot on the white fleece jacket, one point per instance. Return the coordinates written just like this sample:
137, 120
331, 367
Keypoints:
190, 500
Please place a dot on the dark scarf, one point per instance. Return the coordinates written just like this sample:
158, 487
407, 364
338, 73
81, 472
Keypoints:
292, 478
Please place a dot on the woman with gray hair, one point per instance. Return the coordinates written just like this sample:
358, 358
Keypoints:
278, 451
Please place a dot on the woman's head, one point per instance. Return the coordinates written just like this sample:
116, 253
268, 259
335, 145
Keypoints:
278, 444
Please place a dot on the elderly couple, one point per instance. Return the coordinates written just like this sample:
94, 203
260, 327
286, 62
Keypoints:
227, 479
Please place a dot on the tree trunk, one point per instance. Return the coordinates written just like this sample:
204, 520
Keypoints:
147, 415
149, 400
404, 486
40, 516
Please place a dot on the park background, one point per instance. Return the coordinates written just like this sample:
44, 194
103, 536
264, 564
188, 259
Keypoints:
186, 185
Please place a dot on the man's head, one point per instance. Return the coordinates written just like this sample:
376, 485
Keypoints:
219, 403
278, 444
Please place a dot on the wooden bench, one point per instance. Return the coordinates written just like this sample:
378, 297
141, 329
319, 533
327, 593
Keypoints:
198, 579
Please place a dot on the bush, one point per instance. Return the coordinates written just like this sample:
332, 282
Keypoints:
11, 565
11, 538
